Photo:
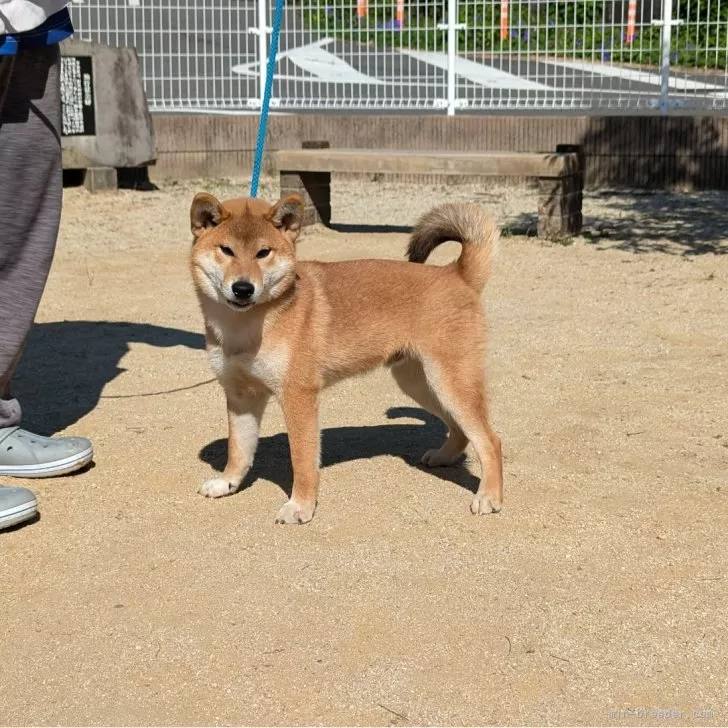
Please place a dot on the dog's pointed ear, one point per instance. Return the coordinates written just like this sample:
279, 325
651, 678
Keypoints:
287, 216
206, 212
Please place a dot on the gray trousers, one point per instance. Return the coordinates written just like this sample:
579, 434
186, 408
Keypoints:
31, 187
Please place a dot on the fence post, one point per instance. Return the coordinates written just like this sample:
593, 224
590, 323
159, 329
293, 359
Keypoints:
262, 44
452, 39
452, 27
667, 24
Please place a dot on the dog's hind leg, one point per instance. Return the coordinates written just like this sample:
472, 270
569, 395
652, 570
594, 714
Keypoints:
461, 394
410, 376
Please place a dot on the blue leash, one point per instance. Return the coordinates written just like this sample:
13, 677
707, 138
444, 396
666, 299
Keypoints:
262, 126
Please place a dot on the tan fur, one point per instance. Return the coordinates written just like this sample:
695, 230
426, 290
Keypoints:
310, 324
464, 224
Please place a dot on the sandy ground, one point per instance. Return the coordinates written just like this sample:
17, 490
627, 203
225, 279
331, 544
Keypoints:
600, 587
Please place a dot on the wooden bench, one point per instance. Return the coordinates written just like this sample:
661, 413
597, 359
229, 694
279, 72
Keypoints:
307, 172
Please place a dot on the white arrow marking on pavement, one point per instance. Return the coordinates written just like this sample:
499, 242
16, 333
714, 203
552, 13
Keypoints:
251, 69
630, 74
328, 67
478, 72
324, 66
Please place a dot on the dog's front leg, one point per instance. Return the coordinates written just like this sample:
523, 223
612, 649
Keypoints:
300, 409
244, 417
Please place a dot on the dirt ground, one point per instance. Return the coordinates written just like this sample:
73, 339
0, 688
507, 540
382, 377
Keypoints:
600, 588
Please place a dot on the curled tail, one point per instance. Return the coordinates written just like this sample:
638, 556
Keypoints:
467, 224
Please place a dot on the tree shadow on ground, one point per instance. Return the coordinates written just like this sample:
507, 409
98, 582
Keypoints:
67, 364
654, 154
685, 224
344, 444
675, 223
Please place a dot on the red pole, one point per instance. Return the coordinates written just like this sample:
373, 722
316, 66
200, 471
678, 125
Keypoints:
504, 19
631, 18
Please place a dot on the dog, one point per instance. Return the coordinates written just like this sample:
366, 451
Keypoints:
288, 329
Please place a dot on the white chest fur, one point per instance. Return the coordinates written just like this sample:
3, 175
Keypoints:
268, 366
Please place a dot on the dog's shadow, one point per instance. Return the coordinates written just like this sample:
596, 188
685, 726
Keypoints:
342, 444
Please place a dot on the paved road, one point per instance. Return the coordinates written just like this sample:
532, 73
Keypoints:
205, 56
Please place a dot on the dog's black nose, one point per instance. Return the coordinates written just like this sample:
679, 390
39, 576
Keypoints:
243, 290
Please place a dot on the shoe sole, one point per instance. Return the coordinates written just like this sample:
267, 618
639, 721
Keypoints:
18, 514
49, 470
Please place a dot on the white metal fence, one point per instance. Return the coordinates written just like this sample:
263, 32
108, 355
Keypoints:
449, 55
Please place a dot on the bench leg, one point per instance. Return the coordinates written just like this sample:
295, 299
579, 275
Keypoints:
559, 206
97, 179
315, 190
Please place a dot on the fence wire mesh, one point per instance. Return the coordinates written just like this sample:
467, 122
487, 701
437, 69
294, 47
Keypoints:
424, 55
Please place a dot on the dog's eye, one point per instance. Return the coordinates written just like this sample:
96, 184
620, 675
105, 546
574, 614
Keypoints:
227, 251
263, 253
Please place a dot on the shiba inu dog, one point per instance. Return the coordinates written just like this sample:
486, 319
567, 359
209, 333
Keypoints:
287, 329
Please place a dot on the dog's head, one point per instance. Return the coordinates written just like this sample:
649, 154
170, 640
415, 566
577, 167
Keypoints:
244, 250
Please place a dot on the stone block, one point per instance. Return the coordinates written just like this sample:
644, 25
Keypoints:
106, 117
99, 179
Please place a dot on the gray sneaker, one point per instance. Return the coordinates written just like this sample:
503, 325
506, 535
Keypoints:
25, 455
16, 505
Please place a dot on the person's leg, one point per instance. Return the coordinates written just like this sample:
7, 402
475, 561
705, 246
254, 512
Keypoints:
31, 187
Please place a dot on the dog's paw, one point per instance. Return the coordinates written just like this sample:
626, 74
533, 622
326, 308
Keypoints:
483, 504
216, 488
293, 512
436, 459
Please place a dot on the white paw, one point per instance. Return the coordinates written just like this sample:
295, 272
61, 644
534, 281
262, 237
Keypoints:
216, 488
483, 504
436, 459
292, 512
